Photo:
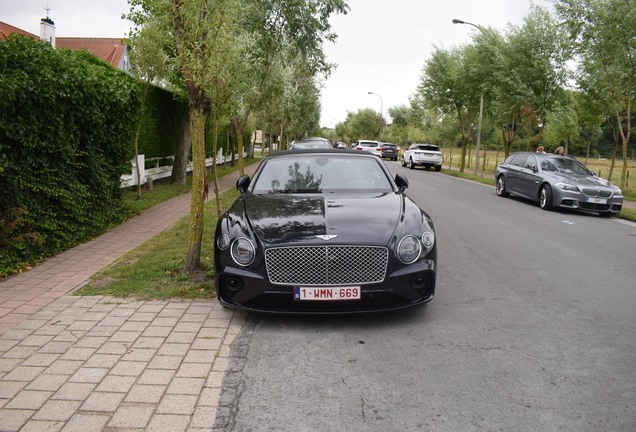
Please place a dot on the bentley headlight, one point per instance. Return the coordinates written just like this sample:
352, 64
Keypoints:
567, 187
428, 240
409, 249
243, 251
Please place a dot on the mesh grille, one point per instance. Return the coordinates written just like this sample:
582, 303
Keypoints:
326, 265
603, 193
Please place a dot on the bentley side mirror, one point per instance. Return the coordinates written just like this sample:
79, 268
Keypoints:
243, 183
401, 181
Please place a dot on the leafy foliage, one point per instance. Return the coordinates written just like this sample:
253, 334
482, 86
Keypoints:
66, 123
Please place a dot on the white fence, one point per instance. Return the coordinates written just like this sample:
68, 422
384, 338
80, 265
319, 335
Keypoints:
162, 171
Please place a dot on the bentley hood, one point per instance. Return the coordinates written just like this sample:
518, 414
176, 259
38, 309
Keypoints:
293, 219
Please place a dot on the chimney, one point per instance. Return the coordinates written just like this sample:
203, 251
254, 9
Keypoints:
47, 29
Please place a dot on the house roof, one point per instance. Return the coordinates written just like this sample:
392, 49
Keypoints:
110, 50
7, 29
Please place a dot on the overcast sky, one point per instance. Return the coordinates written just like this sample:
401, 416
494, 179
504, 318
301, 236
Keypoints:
382, 45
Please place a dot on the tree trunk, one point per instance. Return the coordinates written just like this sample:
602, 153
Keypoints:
238, 131
199, 190
182, 153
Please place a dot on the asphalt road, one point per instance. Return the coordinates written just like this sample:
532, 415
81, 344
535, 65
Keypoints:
533, 329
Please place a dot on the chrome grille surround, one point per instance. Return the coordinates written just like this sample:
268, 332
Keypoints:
326, 265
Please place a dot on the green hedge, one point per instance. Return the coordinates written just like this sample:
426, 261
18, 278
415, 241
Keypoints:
67, 123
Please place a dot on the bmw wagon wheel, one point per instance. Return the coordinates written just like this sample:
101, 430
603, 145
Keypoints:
545, 199
500, 188
411, 164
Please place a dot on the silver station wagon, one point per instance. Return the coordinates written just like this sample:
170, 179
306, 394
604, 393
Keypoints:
557, 181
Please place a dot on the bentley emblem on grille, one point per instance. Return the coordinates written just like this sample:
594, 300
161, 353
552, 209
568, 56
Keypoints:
327, 237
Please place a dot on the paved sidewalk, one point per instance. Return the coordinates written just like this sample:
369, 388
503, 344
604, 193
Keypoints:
71, 363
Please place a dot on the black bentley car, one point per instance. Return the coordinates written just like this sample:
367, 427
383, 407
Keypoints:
324, 231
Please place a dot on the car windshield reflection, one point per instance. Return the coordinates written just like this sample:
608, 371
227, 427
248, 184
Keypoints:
564, 165
321, 174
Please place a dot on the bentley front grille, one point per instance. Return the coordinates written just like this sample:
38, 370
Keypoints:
326, 265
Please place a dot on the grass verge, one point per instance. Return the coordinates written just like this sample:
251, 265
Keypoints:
154, 269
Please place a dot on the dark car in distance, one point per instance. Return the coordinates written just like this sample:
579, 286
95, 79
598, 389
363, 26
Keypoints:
389, 151
557, 181
323, 232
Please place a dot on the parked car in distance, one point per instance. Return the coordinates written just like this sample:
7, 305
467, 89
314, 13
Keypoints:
390, 151
341, 145
426, 155
557, 181
294, 241
310, 143
370, 146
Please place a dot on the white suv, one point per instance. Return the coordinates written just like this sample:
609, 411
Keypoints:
371, 146
427, 155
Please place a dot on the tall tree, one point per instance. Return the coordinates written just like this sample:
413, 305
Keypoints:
603, 34
448, 85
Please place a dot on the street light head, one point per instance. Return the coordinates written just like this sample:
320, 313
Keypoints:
458, 21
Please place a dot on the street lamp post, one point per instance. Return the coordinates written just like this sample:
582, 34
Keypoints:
381, 106
381, 101
481, 102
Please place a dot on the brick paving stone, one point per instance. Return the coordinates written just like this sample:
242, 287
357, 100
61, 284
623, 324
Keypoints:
173, 349
89, 375
200, 356
24, 373
176, 337
156, 376
41, 359
75, 353
56, 410
207, 344
209, 396
131, 417
124, 336
128, 368
102, 402
42, 426
148, 342
29, 400
13, 420
8, 389
47, 382
146, 393
186, 386
64, 367
8, 364
194, 370
152, 331
139, 354
188, 327
177, 404
81, 422
74, 391
165, 362
168, 423
116, 383
203, 417
102, 361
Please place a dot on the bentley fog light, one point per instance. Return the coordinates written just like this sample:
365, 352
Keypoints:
223, 242
242, 251
428, 240
409, 249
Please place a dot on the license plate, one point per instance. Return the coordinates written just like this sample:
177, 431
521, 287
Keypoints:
327, 293
597, 200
